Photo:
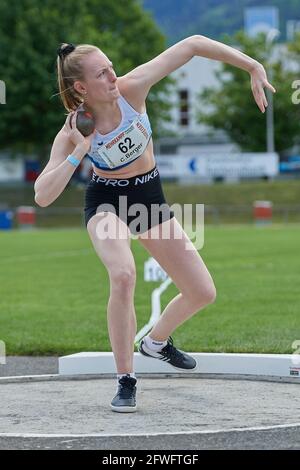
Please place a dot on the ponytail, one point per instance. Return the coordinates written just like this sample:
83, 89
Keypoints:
69, 69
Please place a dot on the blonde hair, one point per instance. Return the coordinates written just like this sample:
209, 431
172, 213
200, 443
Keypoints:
69, 69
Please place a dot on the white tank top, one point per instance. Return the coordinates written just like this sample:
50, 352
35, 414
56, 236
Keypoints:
128, 116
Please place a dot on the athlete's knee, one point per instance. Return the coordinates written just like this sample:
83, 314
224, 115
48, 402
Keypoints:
206, 295
210, 294
123, 277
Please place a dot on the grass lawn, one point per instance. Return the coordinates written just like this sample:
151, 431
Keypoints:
54, 292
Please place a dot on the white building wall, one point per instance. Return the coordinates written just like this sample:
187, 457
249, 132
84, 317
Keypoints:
194, 76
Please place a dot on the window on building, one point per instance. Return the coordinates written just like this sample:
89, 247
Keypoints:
184, 107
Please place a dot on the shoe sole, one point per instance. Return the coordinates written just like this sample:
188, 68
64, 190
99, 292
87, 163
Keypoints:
177, 368
124, 409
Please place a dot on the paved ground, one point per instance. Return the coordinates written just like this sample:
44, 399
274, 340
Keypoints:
278, 439
28, 365
174, 413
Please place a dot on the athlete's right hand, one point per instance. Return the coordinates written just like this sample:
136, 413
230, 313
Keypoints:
75, 135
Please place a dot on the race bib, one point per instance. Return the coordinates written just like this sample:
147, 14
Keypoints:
126, 146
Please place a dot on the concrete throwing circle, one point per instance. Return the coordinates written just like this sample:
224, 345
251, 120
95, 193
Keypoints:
173, 413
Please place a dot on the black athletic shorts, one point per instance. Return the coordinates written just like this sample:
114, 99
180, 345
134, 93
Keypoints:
124, 197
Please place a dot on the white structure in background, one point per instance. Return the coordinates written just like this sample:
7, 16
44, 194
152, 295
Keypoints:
11, 170
191, 78
191, 135
205, 167
2, 92
292, 27
2, 352
261, 19
153, 272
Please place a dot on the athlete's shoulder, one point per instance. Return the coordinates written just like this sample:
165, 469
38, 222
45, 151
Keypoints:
128, 90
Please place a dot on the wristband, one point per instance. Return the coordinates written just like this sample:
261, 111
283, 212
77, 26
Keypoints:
73, 160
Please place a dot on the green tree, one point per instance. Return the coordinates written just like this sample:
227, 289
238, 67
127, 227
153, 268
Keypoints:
30, 32
231, 106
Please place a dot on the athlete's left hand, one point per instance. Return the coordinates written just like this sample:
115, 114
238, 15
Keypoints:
259, 81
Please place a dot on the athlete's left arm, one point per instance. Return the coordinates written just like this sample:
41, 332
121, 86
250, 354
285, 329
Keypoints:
143, 77
216, 50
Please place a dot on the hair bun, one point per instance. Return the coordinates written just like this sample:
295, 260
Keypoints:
65, 50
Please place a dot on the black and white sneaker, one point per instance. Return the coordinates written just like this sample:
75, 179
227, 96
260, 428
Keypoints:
176, 358
125, 399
